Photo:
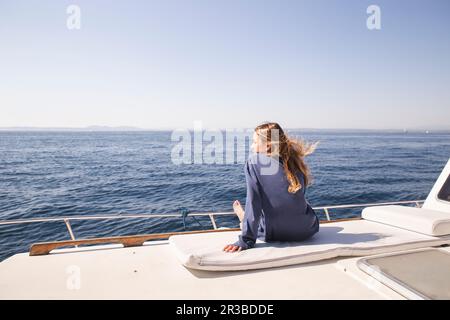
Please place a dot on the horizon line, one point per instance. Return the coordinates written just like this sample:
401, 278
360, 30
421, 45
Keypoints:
132, 128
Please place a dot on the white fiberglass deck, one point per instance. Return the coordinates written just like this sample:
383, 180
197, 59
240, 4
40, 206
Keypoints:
153, 272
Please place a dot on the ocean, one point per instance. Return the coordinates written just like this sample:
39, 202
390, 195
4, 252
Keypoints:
55, 174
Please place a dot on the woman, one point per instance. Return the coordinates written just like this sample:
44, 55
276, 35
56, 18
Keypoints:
277, 177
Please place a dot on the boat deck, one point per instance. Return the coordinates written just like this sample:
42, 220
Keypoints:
153, 272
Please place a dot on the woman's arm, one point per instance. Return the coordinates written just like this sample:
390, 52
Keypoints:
253, 209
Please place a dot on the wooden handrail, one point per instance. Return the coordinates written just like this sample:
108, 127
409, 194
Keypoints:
44, 248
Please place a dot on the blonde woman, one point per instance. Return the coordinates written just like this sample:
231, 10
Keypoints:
277, 177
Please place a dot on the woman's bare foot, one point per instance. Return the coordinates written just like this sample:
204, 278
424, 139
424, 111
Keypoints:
238, 210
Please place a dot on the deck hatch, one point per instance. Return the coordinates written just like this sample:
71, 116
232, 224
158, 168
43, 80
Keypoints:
420, 274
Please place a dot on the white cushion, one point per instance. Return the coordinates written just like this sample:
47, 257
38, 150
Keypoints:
350, 238
430, 222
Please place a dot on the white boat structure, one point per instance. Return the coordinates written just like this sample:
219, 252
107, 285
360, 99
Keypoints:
392, 252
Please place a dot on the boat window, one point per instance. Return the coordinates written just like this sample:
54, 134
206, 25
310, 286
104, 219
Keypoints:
444, 194
421, 274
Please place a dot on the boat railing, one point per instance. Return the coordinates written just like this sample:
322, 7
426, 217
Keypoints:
212, 215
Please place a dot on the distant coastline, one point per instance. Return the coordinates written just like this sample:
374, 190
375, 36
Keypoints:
75, 129
137, 129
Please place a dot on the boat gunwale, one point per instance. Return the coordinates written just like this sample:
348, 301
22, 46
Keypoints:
44, 248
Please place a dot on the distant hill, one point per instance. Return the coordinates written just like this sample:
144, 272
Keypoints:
87, 129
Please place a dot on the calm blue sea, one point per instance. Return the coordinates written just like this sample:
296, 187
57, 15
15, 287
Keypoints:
54, 174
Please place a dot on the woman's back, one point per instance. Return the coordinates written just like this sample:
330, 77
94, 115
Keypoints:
288, 216
275, 213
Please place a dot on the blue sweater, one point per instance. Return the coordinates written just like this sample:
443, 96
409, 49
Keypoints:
271, 212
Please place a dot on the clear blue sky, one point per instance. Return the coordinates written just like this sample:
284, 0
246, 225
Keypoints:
164, 64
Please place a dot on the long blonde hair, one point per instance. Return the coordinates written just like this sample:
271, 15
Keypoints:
291, 152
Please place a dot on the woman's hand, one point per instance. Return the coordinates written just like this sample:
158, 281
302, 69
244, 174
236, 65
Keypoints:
232, 248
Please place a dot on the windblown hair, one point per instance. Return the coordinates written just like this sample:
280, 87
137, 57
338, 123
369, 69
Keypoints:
291, 152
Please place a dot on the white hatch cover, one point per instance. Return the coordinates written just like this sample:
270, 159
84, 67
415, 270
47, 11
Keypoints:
419, 274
